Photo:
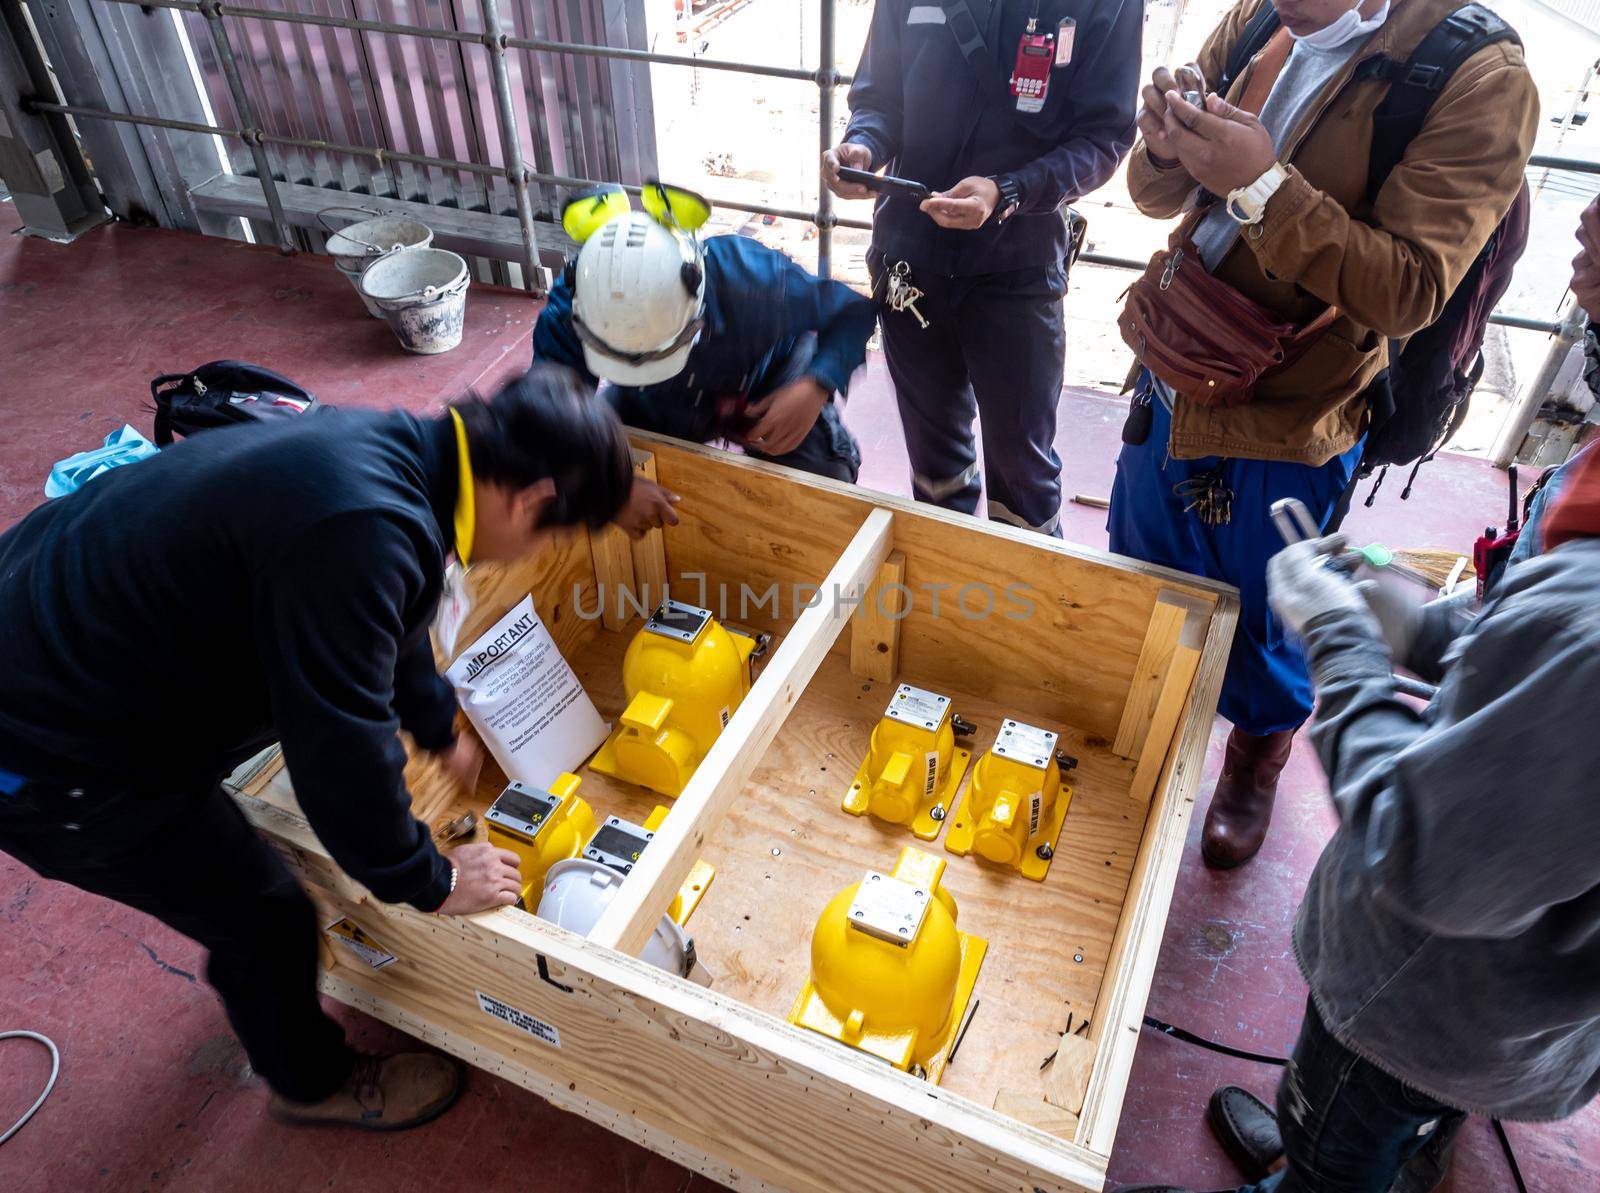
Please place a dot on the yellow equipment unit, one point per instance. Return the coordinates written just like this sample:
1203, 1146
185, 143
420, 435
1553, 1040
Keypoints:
913, 767
684, 675
1015, 803
890, 974
541, 828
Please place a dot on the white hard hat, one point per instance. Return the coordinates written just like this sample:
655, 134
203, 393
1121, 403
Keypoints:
637, 301
576, 894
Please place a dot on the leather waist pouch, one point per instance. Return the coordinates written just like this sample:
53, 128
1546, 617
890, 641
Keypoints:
1207, 341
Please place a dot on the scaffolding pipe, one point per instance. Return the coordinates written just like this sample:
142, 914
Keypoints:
247, 115
494, 39
1522, 415
824, 218
538, 44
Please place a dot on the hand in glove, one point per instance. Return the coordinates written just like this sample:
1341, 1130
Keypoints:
1302, 587
1397, 617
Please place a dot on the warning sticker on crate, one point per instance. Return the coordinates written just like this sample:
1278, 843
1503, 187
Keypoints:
355, 938
521, 1020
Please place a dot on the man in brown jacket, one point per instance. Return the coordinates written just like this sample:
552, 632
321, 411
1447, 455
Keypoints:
1293, 229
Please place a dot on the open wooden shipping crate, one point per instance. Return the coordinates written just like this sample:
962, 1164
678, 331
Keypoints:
1124, 661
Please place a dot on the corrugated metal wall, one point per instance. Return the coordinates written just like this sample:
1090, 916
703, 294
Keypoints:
584, 118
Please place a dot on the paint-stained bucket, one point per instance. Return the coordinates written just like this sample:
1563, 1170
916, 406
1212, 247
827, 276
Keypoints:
356, 246
423, 295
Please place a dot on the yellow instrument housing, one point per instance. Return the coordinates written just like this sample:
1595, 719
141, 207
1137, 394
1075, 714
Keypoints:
683, 675
913, 769
1015, 804
541, 828
890, 974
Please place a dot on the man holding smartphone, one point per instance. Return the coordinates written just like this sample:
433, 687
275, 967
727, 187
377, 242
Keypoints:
1007, 110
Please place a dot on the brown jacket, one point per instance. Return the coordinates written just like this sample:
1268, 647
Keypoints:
1389, 266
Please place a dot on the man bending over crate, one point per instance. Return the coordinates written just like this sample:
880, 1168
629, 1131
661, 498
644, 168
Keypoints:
276, 583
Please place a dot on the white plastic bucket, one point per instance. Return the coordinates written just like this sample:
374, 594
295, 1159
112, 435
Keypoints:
357, 245
577, 890
423, 295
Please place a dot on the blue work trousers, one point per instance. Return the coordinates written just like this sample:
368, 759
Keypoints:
993, 349
1268, 686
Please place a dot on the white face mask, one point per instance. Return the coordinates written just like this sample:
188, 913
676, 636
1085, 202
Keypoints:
1346, 29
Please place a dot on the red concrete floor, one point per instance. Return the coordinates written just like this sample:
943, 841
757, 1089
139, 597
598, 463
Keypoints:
153, 1093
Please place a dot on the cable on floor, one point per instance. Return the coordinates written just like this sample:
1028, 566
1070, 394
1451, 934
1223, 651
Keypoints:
55, 1071
1188, 1037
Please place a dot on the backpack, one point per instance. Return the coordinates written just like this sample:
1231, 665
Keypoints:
223, 394
1421, 399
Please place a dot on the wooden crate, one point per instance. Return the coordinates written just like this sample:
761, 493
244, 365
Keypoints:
1124, 660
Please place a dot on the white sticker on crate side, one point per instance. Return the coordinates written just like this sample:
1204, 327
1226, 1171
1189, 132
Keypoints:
350, 934
521, 1020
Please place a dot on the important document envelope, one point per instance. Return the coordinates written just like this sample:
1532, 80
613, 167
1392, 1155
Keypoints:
525, 701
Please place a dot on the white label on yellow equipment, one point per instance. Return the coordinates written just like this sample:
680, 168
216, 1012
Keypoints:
917, 707
350, 934
932, 783
1035, 806
1027, 744
521, 1020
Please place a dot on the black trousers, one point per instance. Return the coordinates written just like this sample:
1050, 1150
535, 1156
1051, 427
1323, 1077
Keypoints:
188, 857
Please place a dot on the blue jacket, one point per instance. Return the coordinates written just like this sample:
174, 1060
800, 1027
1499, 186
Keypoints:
758, 304
916, 104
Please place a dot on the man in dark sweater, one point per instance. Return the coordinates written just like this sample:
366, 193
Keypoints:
271, 583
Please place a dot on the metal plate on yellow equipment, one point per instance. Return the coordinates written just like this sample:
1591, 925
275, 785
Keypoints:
888, 908
917, 706
678, 621
1027, 744
618, 843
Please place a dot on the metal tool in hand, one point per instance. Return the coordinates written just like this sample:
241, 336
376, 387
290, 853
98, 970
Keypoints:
1295, 524
902, 295
458, 829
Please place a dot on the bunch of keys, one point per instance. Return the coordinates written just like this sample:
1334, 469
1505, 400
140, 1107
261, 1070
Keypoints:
902, 295
1207, 496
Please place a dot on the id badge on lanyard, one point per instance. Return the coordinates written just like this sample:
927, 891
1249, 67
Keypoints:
1037, 53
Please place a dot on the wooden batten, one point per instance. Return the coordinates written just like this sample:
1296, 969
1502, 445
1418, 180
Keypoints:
627, 924
875, 628
1180, 642
1119, 1013
613, 572
649, 552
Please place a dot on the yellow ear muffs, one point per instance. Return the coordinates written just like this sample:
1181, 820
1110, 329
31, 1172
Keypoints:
675, 207
588, 211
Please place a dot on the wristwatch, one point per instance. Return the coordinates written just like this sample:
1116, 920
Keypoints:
1010, 197
1248, 204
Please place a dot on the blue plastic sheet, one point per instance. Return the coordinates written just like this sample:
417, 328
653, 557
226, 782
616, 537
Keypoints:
124, 446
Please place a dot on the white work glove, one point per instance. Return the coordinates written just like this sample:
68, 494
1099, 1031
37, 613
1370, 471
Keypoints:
1302, 587
1397, 617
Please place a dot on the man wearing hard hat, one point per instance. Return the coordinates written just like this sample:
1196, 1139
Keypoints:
716, 339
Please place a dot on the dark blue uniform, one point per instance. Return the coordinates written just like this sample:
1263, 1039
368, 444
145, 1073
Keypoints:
992, 296
767, 322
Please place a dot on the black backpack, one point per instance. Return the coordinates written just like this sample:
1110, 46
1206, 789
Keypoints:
1421, 399
224, 393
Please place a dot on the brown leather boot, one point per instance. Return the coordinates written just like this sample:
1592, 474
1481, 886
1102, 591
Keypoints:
1241, 807
383, 1093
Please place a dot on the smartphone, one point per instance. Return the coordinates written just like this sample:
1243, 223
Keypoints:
885, 184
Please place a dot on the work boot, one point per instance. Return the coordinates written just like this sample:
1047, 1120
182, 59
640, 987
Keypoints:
1241, 807
1247, 1129
382, 1093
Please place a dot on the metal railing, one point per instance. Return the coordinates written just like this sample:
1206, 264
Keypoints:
497, 43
